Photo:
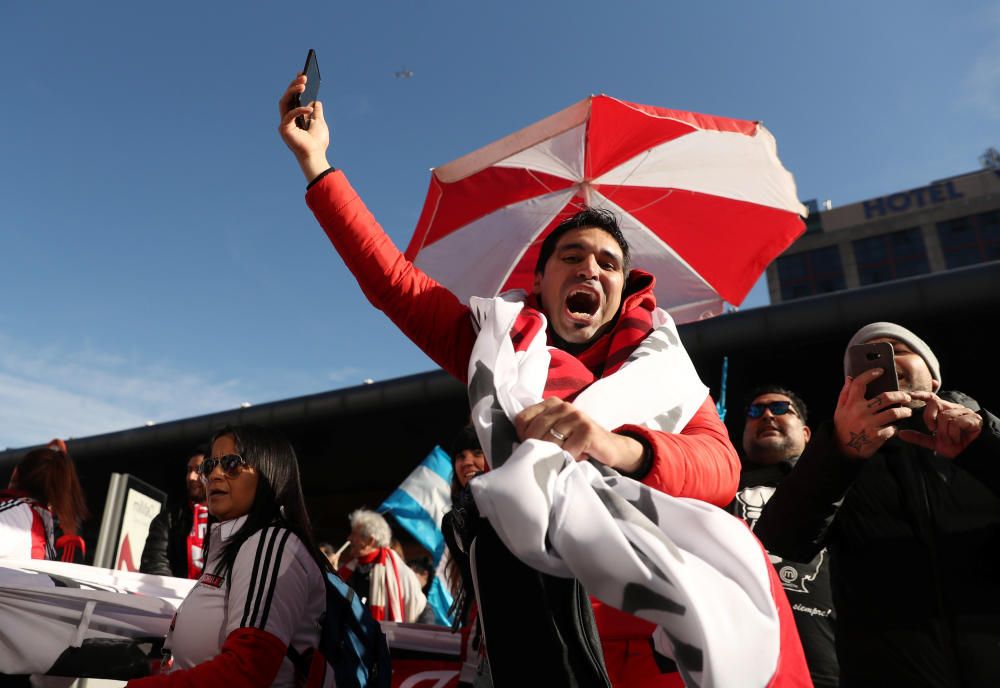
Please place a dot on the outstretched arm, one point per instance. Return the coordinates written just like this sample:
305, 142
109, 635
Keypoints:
426, 312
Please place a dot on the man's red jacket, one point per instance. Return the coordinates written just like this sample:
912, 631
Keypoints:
699, 462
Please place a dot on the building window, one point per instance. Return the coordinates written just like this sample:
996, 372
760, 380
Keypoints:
970, 240
890, 256
811, 272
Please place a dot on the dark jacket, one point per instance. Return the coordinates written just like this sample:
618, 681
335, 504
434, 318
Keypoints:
807, 584
165, 553
914, 540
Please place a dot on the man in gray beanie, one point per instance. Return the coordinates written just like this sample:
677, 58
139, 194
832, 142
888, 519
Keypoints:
904, 491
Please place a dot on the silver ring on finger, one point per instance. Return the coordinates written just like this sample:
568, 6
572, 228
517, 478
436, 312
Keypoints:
558, 435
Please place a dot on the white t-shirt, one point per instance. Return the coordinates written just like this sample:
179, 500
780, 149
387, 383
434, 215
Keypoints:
275, 586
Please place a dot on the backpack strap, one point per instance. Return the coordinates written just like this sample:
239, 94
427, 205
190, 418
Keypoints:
299, 660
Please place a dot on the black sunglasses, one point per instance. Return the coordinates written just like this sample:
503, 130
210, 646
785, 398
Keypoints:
230, 464
777, 408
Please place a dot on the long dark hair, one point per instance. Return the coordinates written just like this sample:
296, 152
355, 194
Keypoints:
278, 500
48, 475
453, 569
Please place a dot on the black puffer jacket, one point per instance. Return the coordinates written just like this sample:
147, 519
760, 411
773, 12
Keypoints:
165, 553
915, 554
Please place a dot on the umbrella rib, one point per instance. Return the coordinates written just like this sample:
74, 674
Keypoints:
526, 246
667, 193
437, 206
542, 184
624, 181
545, 186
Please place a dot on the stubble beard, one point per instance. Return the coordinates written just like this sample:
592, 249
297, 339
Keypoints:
772, 449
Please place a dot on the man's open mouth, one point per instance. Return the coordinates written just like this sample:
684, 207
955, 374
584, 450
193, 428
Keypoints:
582, 303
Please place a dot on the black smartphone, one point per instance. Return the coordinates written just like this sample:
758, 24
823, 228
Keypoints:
311, 94
862, 357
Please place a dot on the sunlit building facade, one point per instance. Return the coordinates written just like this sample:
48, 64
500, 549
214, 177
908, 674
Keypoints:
950, 223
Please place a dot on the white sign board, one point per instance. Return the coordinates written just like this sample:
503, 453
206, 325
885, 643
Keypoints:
129, 509
140, 510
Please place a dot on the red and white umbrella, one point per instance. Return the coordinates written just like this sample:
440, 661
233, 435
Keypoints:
704, 202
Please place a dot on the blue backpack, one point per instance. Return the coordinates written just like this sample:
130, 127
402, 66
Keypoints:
352, 645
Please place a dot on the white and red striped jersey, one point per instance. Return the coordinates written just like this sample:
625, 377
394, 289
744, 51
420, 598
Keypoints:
276, 589
26, 529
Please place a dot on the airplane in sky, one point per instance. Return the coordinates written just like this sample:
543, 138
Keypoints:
404, 73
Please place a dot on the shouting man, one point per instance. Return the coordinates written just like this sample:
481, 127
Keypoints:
598, 312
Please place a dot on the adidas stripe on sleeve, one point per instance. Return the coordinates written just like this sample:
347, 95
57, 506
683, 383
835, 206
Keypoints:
276, 586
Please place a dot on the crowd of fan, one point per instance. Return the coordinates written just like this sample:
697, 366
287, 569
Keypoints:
882, 523
864, 492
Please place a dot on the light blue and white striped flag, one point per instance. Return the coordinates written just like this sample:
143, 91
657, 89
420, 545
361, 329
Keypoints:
418, 505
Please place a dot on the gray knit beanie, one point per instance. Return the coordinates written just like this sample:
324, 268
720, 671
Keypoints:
888, 329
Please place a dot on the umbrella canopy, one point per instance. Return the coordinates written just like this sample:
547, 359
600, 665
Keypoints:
703, 201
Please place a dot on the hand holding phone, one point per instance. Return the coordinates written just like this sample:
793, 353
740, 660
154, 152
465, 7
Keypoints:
308, 147
311, 94
862, 357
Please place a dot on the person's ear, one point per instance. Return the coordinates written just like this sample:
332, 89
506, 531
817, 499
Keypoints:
806, 432
935, 385
537, 286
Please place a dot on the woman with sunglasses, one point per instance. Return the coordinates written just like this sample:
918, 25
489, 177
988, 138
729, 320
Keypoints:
262, 593
43, 485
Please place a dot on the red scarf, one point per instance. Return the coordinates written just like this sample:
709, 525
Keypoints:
381, 558
196, 540
568, 374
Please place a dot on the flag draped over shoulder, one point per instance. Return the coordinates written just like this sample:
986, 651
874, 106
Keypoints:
418, 505
688, 567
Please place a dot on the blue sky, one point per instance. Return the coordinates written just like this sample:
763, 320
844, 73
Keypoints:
158, 259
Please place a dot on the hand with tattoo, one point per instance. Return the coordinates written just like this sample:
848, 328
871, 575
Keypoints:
953, 427
863, 425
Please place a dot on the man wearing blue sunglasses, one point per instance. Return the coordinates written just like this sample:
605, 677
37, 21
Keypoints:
774, 436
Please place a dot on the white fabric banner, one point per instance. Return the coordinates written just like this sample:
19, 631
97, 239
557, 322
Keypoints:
49, 608
685, 565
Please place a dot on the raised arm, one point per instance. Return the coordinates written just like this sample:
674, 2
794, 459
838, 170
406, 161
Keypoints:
426, 312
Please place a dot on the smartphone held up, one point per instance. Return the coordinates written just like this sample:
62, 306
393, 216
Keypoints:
862, 357
311, 94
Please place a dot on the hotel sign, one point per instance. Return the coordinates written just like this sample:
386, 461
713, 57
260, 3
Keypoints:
914, 199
